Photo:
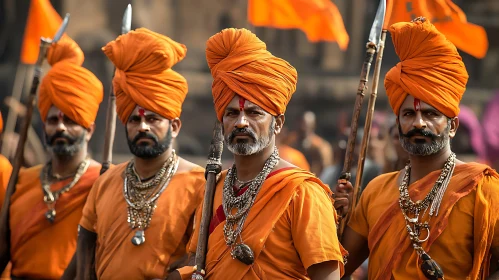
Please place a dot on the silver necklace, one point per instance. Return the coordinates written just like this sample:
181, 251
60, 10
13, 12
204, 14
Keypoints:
242, 204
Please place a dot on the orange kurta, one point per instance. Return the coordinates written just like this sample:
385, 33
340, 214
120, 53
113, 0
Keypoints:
166, 237
293, 156
461, 235
291, 226
40, 249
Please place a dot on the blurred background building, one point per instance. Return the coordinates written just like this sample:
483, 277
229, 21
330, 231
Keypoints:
328, 77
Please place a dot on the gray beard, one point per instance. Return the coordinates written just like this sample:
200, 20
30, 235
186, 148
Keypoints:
68, 150
247, 149
426, 149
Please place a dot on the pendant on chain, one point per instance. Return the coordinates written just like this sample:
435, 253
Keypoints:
243, 253
139, 238
50, 215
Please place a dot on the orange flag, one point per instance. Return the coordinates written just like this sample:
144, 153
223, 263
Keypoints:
447, 17
43, 21
319, 19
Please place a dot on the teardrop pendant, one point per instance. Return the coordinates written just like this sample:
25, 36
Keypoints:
430, 268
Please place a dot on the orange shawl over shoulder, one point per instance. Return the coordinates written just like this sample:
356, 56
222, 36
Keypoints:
39, 249
291, 226
461, 235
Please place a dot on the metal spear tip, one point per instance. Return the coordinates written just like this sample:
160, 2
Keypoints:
126, 24
61, 29
375, 34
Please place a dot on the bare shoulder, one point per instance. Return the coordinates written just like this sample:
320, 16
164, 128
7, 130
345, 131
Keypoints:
186, 166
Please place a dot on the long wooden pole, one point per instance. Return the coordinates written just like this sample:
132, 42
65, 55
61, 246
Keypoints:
18, 160
213, 168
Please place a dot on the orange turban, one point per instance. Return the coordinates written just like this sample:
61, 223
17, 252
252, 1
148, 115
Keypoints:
144, 77
240, 64
68, 86
430, 68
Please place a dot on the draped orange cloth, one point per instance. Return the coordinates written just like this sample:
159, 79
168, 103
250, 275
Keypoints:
431, 69
68, 86
460, 236
144, 77
290, 227
447, 17
319, 19
39, 249
293, 156
166, 237
240, 64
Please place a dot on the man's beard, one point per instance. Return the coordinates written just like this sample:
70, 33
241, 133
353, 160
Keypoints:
147, 151
438, 142
245, 147
62, 149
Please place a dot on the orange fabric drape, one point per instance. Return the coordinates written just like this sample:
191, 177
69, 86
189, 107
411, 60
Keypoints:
166, 237
319, 19
461, 235
39, 249
43, 21
447, 17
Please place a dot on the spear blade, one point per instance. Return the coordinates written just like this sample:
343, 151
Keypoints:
126, 24
375, 34
61, 29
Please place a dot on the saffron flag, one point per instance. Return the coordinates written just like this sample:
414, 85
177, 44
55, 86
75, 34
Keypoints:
43, 21
319, 19
447, 17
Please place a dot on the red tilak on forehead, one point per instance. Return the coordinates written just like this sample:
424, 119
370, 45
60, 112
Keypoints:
417, 104
60, 115
241, 103
142, 112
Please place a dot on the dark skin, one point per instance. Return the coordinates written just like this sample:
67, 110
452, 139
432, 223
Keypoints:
149, 122
249, 166
430, 119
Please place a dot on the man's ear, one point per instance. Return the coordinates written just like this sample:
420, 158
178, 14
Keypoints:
454, 124
176, 124
279, 123
90, 131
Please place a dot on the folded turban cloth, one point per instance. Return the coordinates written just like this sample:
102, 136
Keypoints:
431, 69
144, 77
68, 86
240, 64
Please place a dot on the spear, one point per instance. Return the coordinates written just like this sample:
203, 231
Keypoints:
371, 47
23, 135
126, 25
213, 168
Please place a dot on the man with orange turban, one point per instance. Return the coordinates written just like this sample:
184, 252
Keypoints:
139, 215
48, 202
438, 217
271, 220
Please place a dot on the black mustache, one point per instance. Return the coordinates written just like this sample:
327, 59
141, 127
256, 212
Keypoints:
240, 131
145, 135
420, 132
61, 134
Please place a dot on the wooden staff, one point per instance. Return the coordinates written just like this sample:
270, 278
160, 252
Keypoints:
213, 168
374, 38
369, 121
126, 25
23, 135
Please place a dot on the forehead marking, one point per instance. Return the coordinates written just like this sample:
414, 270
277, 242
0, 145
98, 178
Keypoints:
142, 112
241, 103
417, 104
60, 115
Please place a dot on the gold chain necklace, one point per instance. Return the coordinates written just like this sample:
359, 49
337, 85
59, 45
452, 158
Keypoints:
412, 210
142, 201
50, 197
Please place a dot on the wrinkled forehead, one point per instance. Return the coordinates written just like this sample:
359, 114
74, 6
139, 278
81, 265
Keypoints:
240, 103
413, 103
